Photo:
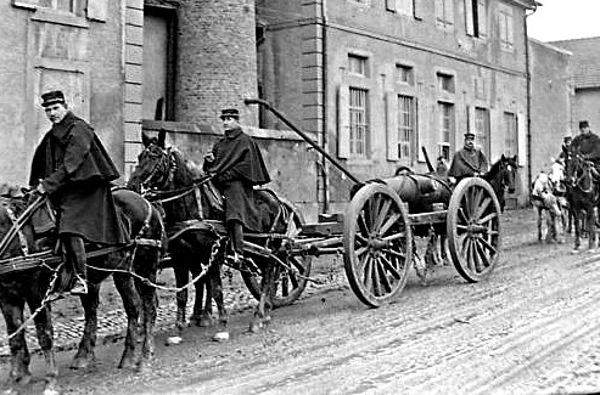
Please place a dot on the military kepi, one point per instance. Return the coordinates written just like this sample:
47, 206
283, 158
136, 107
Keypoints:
583, 124
52, 97
230, 113
470, 135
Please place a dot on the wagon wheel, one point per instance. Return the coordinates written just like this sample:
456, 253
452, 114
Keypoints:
473, 228
377, 244
289, 286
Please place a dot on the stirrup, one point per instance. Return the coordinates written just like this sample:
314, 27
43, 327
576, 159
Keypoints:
80, 287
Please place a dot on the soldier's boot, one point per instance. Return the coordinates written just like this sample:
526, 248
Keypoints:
76, 253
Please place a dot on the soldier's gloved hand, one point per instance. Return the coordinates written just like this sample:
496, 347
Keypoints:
40, 189
210, 157
452, 180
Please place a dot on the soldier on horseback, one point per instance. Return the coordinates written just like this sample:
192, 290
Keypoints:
72, 166
237, 166
587, 143
468, 162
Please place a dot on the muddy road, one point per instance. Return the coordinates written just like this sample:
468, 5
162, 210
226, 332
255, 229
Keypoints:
532, 327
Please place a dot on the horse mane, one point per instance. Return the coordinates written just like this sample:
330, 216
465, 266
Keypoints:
186, 207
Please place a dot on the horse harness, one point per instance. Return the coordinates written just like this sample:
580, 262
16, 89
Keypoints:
49, 258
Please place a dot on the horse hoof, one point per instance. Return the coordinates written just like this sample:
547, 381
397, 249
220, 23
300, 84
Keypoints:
173, 340
51, 391
221, 337
255, 327
128, 363
81, 363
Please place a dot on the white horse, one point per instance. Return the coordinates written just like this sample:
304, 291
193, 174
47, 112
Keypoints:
543, 198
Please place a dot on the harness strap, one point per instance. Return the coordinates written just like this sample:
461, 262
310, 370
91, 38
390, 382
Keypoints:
19, 222
22, 238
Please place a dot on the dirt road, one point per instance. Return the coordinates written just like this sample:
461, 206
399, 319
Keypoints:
531, 328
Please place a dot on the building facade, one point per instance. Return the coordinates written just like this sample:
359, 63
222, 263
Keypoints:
119, 63
585, 80
551, 97
375, 81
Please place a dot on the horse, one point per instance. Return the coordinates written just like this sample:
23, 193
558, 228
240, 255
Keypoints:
583, 189
502, 176
35, 284
544, 199
191, 223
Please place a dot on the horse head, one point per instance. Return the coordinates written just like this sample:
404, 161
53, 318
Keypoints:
581, 173
154, 164
502, 176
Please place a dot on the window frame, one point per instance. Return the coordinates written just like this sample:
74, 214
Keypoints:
444, 18
358, 131
482, 129
506, 34
362, 60
442, 78
510, 118
409, 130
405, 69
446, 111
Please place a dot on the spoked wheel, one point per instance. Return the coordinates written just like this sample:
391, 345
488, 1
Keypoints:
473, 228
377, 244
288, 285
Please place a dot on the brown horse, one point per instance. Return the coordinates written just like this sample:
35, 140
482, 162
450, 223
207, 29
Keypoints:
32, 286
192, 223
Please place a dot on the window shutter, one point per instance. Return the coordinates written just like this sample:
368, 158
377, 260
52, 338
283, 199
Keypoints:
391, 112
96, 10
439, 10
496, 138
482, 18
522, 139
429, 128
390, 5
471, 120
509, 31
419, 8
469, 17
449, 11
415, 148
502, 28
343, 122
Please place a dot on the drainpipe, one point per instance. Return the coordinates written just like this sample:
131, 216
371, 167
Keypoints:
528, 80
324, 136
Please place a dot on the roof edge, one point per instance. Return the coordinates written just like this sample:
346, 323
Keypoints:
551, 46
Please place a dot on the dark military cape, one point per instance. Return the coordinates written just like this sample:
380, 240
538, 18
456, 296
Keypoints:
587, 144
237, 156
238, 165
467, 162
75, 170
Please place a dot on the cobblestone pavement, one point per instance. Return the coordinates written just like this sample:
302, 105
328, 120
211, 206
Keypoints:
519, 227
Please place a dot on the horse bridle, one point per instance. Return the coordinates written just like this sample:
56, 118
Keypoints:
586, 167
167, 161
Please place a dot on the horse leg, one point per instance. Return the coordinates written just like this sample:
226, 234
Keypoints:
45, 335
202, 315
131, 304
149, 299
85, 352
181, 278
540, 218
591, 229
260, 313
216, 290
12, 309
577, 227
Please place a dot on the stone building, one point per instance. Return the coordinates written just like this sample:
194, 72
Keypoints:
585, 80
551, 97
374, 81
121, 63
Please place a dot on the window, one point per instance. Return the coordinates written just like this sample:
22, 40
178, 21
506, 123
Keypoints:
72, 6
407, 137
405, 75
446, 114
405, 7
505, 24
476, 18
445, 82
510, 134
358, 122
444, 13
482, 129
357, 65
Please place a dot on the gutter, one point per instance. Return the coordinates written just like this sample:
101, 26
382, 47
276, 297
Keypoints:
324, 138
528, 79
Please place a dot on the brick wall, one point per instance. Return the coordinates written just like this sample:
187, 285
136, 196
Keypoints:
216, 61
